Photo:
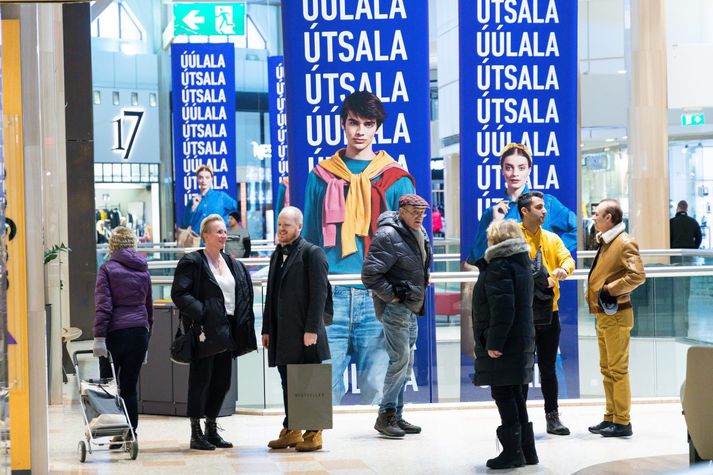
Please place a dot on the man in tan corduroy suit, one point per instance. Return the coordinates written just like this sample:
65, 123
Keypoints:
616, 271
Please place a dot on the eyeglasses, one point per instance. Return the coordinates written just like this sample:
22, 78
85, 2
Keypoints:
417, 213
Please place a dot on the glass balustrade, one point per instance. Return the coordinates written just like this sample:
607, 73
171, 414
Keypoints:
673, 311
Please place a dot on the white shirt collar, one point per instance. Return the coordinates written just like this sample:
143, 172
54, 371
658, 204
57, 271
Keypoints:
610, 235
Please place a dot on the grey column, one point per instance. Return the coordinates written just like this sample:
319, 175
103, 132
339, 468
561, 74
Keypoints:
80, 165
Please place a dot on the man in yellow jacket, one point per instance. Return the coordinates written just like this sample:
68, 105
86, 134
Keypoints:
552, 262
616, 271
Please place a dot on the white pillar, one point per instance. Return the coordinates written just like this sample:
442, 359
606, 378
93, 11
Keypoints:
648, 132
54, 207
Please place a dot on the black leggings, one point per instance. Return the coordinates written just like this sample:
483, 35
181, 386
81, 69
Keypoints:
208, 383
547, 340
512, 404
128, 351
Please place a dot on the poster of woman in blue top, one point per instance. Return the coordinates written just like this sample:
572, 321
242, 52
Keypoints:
207, 201
516, 168
516, 165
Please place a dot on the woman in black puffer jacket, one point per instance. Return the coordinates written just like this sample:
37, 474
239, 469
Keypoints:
505, 338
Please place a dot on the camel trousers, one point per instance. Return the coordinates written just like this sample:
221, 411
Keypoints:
613, 335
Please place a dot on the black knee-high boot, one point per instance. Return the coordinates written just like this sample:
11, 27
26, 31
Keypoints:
528, 444
511, 456
198, 440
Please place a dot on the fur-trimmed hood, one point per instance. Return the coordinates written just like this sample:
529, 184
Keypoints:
506, 248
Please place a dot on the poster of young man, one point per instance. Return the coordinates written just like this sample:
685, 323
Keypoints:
357, 94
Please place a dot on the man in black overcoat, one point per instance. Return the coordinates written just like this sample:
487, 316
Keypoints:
293, 329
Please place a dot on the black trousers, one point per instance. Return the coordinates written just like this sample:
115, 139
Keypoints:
547, 341
208, 382
512, 404
282, 369
128, 351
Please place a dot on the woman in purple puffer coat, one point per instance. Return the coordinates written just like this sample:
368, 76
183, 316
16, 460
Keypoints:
124, 315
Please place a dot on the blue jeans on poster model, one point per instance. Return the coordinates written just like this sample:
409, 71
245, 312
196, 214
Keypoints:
355, 332
400, 331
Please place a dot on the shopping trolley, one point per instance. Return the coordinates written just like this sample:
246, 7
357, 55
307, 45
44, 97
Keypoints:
104, 414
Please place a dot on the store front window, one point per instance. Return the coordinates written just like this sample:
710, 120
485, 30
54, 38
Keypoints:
4, 383
117, 21
126, 121
691, 178
605, 174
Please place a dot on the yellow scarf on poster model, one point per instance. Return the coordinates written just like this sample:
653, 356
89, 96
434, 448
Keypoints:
357, 212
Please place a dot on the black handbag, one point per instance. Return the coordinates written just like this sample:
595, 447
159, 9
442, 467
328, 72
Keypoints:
184, 345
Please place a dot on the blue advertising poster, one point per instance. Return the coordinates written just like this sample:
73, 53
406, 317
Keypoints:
332, 49
278, 131
203, 102
518, 70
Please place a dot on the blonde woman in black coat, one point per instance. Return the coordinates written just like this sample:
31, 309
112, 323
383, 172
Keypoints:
505, 338
214, 293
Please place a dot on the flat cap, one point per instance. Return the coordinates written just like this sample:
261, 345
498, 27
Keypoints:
413, 200
609, 304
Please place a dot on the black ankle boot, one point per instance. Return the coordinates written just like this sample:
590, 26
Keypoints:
511, 456
554, 424
528, 444
212, 436
198, 441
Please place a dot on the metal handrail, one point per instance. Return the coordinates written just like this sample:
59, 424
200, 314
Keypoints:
257, 260
248, 261
472, 276
267, 246
660, 253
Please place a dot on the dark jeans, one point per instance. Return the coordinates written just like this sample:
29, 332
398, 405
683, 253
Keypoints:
282, 369
310, 356
512, 404
208, 383
547, 341
128, 351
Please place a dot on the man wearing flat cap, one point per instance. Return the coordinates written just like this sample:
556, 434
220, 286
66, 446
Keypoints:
616, 272
396, 270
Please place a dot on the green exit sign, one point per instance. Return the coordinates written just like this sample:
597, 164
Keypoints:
693, 119
225, 19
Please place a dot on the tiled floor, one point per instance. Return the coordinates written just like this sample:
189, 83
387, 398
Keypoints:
454, 441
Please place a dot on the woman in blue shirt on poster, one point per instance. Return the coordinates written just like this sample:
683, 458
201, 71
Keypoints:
207, 201
516, 165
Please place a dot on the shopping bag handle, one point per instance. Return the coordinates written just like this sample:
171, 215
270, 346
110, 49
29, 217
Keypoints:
310, 356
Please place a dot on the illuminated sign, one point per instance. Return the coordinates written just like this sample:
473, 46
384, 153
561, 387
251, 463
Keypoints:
261, 151
209, 19
126, 128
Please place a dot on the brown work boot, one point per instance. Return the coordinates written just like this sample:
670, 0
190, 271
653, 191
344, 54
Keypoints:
387, 424
312, 441
288, 438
